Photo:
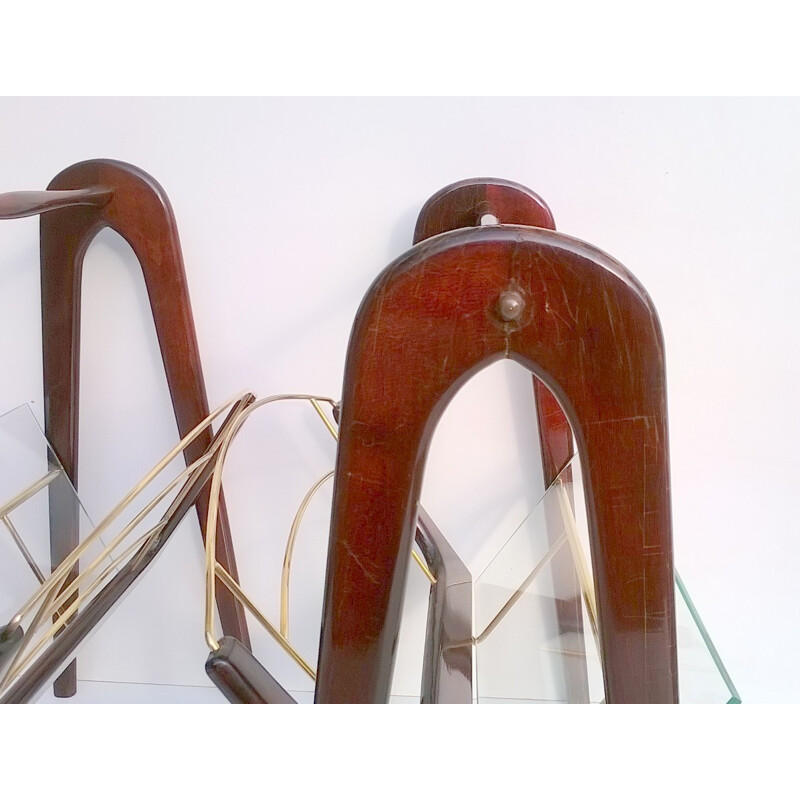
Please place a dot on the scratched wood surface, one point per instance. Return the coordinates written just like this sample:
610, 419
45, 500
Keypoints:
589, 331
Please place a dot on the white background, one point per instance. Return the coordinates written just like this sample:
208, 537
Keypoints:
288, 208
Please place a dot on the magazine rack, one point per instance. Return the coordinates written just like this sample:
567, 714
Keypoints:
467, 294
583, 325
78, 204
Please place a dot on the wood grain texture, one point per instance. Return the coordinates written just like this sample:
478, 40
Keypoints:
590, 333
140, 212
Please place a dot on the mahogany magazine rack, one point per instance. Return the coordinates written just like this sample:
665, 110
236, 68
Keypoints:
584, 326
77, 205
466, 295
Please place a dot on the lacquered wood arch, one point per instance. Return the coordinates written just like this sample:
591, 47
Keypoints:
138, 209
428, 323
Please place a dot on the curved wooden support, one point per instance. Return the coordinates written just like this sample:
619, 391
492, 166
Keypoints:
140, 212
15, 205
464, 204
238, 674
584, 326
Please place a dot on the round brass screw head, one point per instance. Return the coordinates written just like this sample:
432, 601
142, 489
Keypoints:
510, 306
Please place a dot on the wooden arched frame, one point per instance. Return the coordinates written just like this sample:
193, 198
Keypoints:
589, 332
80, 202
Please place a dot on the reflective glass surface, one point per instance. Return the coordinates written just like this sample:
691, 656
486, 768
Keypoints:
534, 633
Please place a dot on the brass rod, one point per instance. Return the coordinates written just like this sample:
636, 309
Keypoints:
26, 494
238, 592
578, 558
548, 557
287, 556
66, 565
26, 554
324, 417
423, 566
213, 504
11, 671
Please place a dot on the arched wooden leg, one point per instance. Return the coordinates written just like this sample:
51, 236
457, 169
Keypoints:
582, 324
139, 211
465, 205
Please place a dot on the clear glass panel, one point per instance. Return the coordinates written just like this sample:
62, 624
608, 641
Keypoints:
701, 673
29, 476
531, 645
35, 494
533, 628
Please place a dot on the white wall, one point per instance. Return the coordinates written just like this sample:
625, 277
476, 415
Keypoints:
287, 210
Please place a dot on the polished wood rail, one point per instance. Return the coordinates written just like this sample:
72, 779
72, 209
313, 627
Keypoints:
79, 202
583, 325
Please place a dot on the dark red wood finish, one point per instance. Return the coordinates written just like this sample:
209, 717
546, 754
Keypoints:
590, 333
80, 202
463, 205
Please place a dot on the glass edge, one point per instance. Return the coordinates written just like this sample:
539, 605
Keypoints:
735, 698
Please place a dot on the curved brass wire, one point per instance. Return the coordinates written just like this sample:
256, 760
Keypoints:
236, 590
58, 590
61, 572
287, 556
213, 506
